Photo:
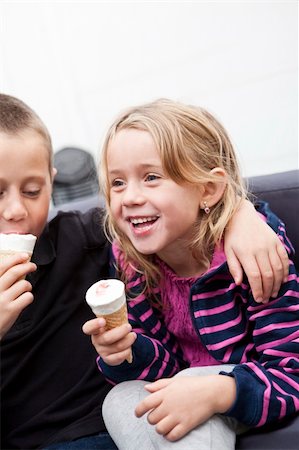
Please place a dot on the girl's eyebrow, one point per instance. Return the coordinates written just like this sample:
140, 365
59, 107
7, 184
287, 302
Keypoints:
144, 166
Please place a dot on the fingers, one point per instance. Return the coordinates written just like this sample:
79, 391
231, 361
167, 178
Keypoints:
12, 260
264, 280
157, 385
94, 326
22, 301
114, 346
266, 273
166, 423
117, 358
278, 272
12, 303
147, 404
176, 433
234, 266
16, 290
13, 268
284, 258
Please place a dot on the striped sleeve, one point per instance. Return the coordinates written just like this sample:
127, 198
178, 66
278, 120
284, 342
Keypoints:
268, 384
156, 353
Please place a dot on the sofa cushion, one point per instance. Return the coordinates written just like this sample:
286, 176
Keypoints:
281, 191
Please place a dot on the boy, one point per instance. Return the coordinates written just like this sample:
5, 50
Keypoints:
51, 390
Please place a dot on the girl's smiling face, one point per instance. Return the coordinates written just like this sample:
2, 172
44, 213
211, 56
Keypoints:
155, 212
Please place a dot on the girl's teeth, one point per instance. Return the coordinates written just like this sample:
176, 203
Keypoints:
143, 220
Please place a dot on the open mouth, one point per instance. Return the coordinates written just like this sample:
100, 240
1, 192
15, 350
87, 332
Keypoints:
143, 222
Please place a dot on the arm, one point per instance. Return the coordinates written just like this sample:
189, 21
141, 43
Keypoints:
264, 339
15, 292
267, 387
151, 358
252, 244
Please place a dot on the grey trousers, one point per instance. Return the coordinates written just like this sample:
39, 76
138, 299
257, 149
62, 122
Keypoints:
132, 433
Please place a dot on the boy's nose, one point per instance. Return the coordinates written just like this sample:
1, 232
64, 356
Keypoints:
14, 209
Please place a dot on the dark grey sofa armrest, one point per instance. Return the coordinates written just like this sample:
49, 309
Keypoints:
283, 436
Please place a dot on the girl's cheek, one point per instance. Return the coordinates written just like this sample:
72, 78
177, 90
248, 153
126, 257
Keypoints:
115, 210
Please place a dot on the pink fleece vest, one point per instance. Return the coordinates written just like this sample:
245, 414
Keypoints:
175, 292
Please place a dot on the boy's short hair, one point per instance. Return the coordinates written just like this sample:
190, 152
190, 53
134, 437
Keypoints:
16, 116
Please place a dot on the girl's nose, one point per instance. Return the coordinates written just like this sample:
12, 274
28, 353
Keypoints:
133, 195
14, 208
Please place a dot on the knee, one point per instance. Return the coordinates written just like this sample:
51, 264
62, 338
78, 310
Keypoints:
120, 398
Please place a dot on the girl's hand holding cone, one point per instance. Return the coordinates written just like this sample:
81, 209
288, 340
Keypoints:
114, 345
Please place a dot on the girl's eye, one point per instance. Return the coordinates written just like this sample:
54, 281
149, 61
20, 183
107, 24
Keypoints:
117, 183
151, 177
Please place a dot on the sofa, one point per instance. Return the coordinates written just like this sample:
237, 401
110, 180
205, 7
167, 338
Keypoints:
281, 191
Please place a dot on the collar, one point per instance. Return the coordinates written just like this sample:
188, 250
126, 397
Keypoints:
44, 251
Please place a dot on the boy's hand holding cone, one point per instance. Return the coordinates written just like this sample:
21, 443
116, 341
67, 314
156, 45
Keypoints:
16, 243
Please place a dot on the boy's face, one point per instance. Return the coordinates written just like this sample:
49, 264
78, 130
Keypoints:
25, 183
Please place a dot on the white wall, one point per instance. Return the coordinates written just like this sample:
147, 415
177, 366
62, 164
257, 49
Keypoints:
78, 63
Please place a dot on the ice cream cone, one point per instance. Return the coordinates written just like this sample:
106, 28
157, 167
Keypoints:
16, 243
107, 299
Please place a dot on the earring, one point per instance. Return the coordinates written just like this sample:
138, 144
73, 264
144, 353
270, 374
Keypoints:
206, 208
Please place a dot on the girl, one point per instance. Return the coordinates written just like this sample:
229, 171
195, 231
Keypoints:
172, 184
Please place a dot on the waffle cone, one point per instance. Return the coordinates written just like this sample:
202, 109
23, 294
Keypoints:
116, 319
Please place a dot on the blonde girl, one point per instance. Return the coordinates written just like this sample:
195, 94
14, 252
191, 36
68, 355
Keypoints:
173, 190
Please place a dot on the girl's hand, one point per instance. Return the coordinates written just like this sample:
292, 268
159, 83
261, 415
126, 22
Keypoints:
177, 405
15, 292
113, 346
252, 244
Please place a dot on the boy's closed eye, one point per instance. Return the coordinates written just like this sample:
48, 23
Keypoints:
32, 194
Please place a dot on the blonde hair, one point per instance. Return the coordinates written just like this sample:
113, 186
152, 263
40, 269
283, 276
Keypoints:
16, 116
191, 142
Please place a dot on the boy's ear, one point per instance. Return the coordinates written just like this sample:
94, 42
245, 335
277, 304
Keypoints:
54, 172
214, 190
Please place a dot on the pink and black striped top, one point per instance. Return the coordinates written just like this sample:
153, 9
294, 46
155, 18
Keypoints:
261, 339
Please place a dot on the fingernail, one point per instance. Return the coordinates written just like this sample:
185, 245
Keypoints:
259, 300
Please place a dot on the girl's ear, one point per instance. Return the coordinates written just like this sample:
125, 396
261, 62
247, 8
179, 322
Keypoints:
213, 190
